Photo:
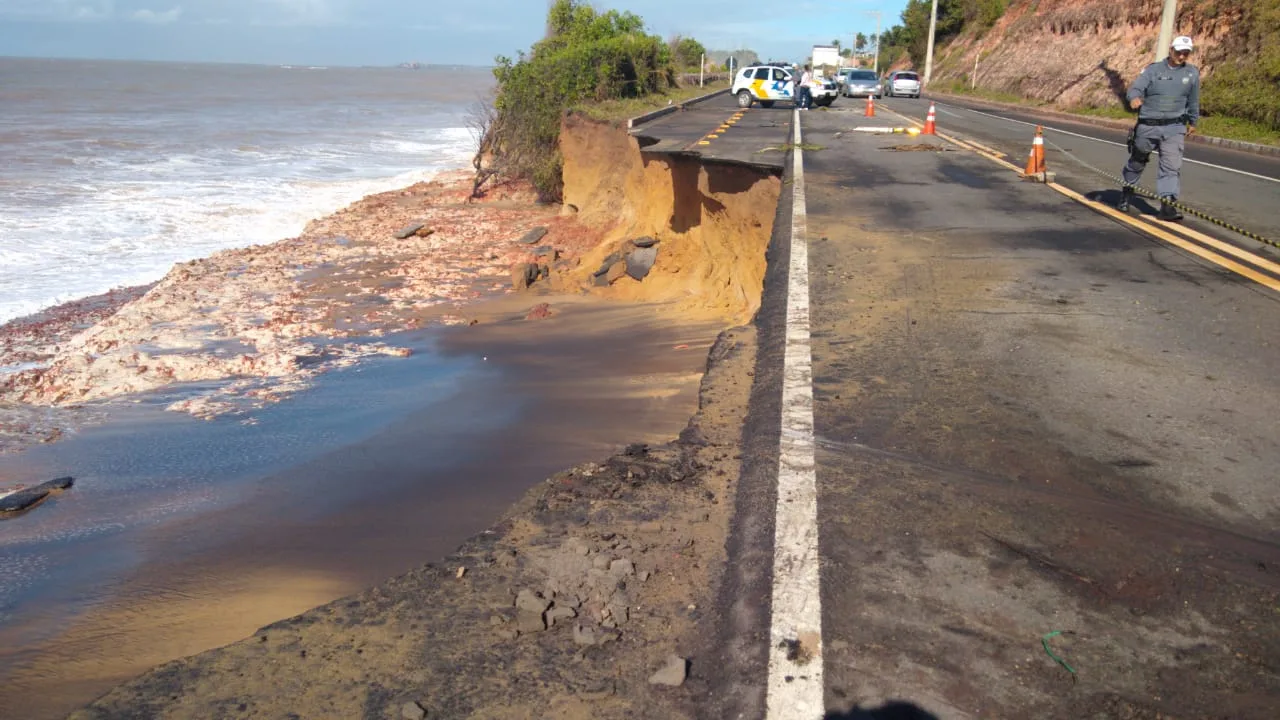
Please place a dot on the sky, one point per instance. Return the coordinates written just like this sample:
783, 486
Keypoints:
387, 32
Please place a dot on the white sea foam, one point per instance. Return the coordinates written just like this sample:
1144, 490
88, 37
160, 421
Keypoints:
87, 213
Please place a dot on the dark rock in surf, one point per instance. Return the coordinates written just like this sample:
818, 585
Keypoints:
28, 498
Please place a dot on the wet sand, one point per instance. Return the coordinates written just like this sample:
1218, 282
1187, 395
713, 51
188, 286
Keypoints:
551, 393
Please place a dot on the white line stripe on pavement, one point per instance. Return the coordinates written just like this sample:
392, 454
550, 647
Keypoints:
1111, 142
795, 636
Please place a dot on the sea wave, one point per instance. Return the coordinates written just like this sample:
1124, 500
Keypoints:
62, 241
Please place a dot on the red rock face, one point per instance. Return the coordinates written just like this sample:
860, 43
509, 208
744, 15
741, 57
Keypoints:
1084, 52
271, 317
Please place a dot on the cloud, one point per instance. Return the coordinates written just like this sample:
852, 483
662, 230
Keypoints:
90, 11
157, 18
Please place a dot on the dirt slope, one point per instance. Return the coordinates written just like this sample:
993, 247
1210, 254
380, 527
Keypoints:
1085, 52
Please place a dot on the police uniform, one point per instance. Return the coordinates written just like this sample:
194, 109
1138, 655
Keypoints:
1170, 102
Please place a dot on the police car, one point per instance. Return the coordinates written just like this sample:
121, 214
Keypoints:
767, 84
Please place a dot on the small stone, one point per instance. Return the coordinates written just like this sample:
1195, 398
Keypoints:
601, 562
619, 613
409, 231
644, 576
645, 242
530, 622
622, 567
616, 271
541, 311
497, 620
523, 275
641, 261
534, 236
413, 711
548, 252
531, 602
672, 674
583, 635
505, 558
461, 571
560, 612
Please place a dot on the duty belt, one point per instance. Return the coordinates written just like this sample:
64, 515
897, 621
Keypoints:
1164, 121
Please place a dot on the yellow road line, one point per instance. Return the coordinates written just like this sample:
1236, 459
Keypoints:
1170, 238
1151, 227
989, 150
1213, 242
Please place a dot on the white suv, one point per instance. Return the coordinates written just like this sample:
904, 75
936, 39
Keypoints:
767, 84
903, 82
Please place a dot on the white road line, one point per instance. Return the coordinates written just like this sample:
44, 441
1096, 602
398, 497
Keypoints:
1111, 142
795, 636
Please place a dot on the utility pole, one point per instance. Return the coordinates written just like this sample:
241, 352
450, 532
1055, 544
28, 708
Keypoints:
1166, 29
928, 56
877, 14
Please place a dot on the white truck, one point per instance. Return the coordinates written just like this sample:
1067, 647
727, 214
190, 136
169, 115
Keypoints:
826, 61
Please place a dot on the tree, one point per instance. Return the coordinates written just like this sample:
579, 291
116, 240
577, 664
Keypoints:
835, 44
686, 52
860, 42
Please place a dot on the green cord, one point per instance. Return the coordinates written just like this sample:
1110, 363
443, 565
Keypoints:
1045, 642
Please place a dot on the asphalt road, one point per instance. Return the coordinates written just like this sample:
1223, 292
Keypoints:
1238, 187
1029, 419
755, 137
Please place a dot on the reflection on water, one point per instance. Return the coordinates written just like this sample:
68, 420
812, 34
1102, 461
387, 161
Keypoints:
152, 485
182, 535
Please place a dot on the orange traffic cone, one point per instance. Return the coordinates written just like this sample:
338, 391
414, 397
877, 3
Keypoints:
1035, 159
871, 107
930, 122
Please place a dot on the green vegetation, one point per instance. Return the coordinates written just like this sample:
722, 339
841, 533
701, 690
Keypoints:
954, 17
1247, 90
587, 57
614, 110
687, 53
961, 87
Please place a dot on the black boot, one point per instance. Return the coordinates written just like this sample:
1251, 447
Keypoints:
1126, 197
1168, 212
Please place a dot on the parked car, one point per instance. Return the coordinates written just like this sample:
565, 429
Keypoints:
860, 83
903, 83
767, 84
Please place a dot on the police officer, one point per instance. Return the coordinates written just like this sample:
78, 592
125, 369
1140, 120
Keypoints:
1167, 98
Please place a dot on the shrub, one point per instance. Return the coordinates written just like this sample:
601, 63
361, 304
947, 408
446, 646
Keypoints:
586, 56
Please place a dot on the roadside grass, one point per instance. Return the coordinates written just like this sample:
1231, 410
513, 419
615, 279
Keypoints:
1229, 128
1212, 125
960, 87
617, 110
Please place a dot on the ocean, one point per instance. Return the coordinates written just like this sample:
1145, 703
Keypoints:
111, 172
